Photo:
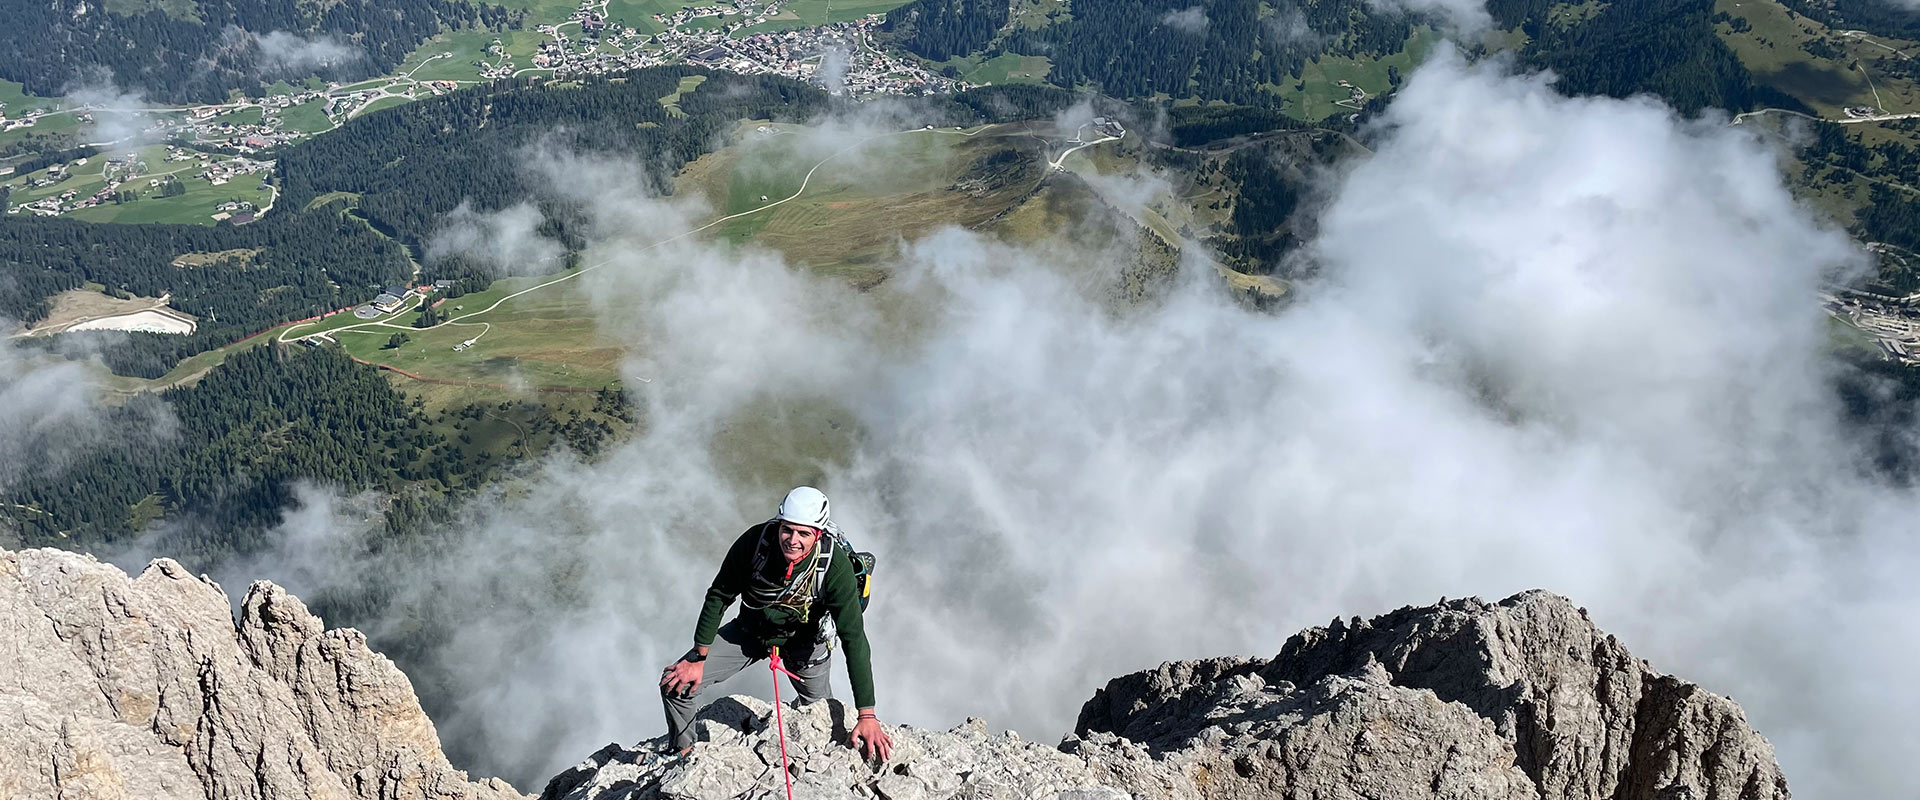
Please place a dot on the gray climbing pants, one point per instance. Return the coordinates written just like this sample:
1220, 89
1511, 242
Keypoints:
732, 651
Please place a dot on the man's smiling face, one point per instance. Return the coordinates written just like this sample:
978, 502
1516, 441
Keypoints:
797, 540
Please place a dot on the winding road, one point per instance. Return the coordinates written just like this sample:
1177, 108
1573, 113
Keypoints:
1062, 158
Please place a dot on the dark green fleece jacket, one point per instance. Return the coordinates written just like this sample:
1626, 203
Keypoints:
775, 625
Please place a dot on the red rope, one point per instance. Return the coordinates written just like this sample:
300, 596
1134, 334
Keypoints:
778, 721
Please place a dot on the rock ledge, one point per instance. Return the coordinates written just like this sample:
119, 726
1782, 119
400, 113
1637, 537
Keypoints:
1523, 699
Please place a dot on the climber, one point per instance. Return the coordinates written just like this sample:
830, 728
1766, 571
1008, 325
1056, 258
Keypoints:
789, 574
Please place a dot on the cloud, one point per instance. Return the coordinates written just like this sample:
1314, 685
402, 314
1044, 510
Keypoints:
1289, 26
1565, 343
48, 407
52, 413
832, 75
1192, 19
1074, 119
1469, 16
506, 241
120, 118
286, 52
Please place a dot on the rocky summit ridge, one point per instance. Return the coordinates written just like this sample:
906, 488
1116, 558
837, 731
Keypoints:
148, 687
1524, 699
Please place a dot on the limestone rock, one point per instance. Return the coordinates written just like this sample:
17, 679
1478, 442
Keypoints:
1344, 736
146, 688
1527, 686
737, 754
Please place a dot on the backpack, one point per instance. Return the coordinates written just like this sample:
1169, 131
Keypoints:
863, 564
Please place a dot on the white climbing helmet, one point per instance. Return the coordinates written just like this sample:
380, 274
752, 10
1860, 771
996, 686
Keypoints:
805, 505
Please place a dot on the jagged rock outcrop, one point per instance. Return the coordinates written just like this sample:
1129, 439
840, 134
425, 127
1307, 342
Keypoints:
1522, 699
113, 687
1550, 694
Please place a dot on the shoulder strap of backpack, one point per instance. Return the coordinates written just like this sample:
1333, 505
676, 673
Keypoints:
760, 549
822, 561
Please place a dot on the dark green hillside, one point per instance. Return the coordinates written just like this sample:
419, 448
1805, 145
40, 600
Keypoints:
1242, 54
942, 29
1884, 17
53, 45
1277, 55
269, 417
1661, 47
1866, 177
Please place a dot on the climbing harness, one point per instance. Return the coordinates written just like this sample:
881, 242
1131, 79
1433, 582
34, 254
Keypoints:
798, 594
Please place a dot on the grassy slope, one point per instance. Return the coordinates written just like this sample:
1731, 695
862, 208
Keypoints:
244, 116
1313, 96
310, 117
1774, 49
849, 218
384, 102
546, 338
671, 102
858, 204
1001, 69
468, 47
18, 101
178, 9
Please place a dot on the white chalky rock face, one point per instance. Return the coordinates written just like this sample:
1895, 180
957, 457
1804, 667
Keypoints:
113, 687
738, 755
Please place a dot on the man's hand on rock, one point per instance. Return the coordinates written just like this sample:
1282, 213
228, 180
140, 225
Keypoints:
870, 739
683, 678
